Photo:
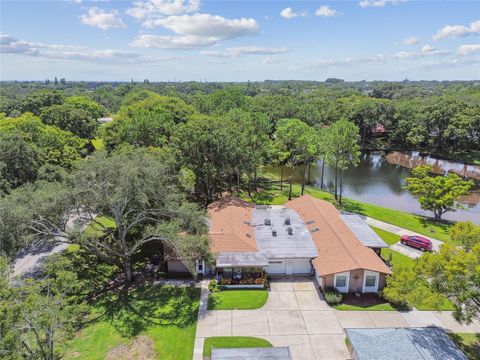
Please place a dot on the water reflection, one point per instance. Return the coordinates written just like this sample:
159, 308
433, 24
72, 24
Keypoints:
379, 179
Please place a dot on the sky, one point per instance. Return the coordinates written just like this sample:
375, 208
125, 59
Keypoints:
200, 40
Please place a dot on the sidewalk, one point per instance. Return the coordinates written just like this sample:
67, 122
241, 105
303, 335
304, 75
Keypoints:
202, 312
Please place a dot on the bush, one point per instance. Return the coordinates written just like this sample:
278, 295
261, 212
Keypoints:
212, 285
333, 296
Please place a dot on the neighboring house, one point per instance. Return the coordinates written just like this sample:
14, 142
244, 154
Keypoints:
430, 343
305, 236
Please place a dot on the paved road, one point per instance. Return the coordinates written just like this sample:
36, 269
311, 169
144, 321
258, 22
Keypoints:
297, 316
405, 250
33, 258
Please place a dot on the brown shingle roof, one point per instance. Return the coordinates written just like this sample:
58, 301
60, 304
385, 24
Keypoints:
339, 249
230, 229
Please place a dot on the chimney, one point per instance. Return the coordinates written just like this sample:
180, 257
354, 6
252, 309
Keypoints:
287, 221
274, 233
290, 231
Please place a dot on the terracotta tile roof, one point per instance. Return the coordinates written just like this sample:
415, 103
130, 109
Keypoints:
230, 229
339, 249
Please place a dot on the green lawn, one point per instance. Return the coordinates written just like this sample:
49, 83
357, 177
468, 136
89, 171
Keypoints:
386, 236
468, 343
397, 258
237, 299
232, 342
272, 194
166, 314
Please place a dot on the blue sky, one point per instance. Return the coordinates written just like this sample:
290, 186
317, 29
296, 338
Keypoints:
165, 40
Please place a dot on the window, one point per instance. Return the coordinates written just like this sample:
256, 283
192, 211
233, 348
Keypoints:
340, 281
200, 267
370, 281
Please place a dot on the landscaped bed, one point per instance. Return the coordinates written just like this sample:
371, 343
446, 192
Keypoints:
246, 299
365, 302
232, 342
468, 343
165, 314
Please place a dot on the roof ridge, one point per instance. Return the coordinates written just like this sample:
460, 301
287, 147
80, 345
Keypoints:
335, 233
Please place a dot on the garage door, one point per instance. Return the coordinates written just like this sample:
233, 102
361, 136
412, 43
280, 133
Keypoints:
276, 267
298, 266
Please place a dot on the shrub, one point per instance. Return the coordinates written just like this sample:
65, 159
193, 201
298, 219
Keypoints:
212, 285
332, 296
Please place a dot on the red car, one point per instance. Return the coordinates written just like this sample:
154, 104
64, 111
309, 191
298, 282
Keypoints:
418, 242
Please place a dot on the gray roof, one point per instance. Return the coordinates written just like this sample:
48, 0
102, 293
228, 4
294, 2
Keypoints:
363, 232
274, 353
283, 245
430, 343
241, 259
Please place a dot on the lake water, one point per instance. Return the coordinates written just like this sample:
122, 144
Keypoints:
379, 179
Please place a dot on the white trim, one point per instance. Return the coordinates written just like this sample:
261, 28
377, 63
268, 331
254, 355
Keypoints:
370, 289
197, 264
345, 288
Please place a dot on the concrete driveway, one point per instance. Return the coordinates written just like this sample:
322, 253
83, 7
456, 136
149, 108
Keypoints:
296, 315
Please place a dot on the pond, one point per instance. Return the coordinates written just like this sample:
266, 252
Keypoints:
379, 179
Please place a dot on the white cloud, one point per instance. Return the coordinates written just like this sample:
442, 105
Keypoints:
413, 40
103, 19
428, 48
14, 46
378, 3
196, 30
288, 13
458, 30
326, 11
468, 49
244, 50
152, 9
269, 60
406, 55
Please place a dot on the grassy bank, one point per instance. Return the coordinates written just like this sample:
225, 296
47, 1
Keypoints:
468, 343
271, 194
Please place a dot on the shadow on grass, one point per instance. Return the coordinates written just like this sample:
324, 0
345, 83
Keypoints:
468, 343
134, 310
430, 224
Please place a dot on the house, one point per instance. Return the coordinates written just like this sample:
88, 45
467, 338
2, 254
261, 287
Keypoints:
430, 343
305, 236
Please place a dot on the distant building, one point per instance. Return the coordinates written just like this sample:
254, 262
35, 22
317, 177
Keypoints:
104, 120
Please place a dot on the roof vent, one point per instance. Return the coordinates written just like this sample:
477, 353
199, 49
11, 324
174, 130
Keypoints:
290, 231
310, 222
314, 230
268, 222
247, 223
274, 233
287, 221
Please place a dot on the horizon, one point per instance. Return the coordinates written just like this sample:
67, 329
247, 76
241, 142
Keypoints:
234, 41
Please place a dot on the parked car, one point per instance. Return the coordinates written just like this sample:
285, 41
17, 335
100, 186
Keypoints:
419, 242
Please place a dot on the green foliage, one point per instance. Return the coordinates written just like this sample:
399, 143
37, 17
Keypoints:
332, 296
465, 234
212, 285
38, 316
70, 118
55, 146
19, 161
224, 342
35, 101
438, 194
149, 122
468, 343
